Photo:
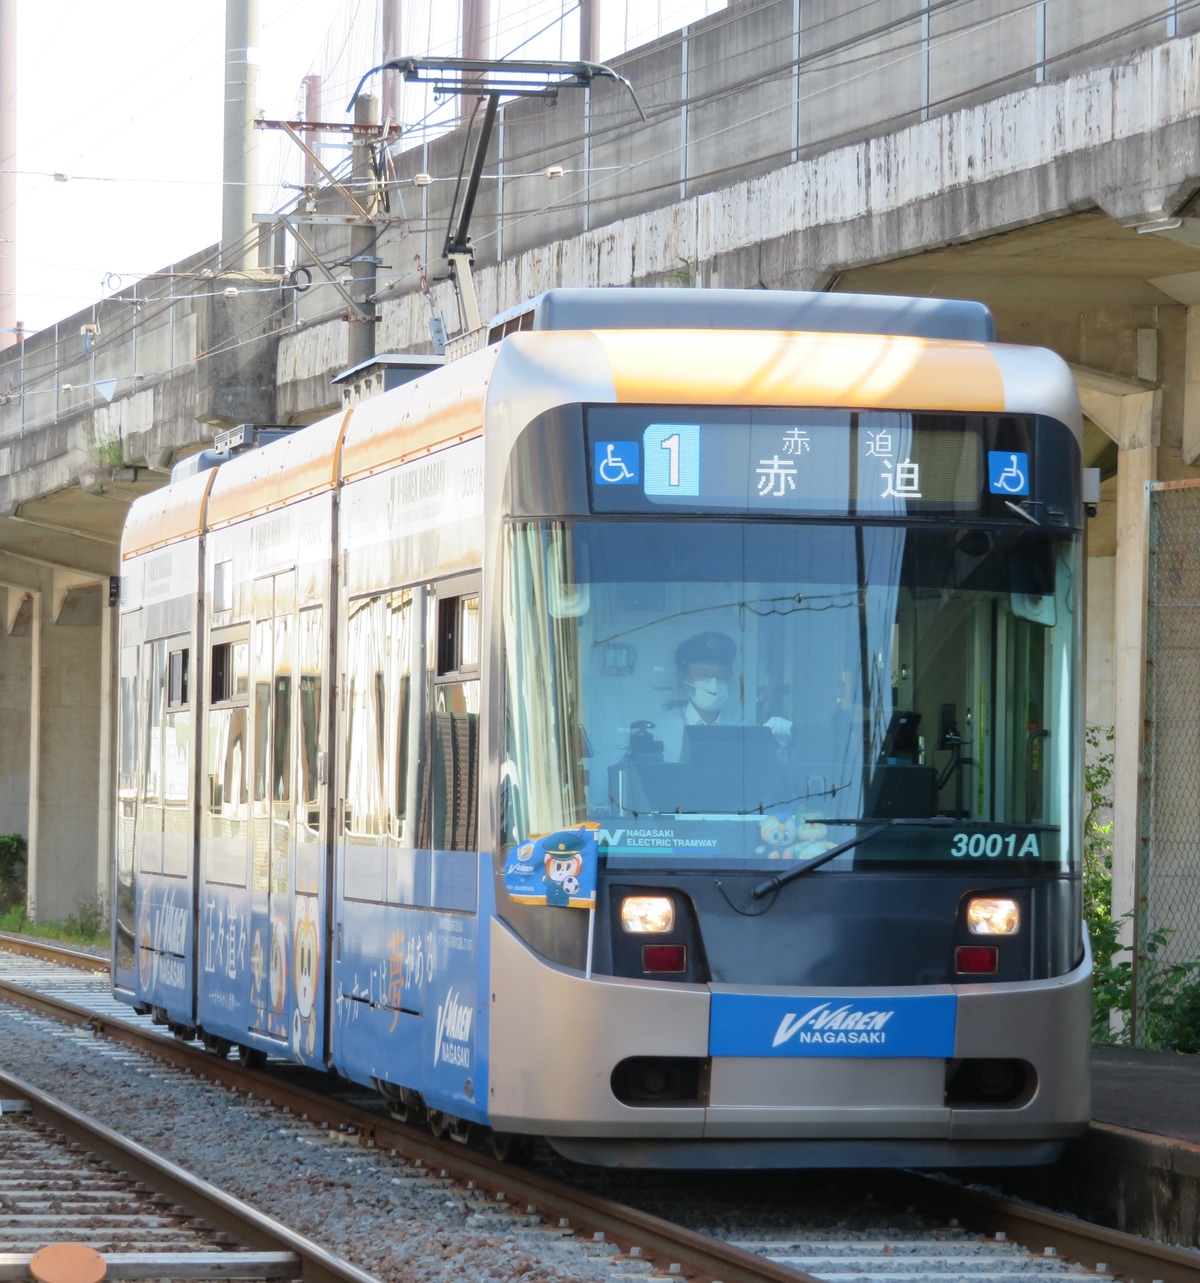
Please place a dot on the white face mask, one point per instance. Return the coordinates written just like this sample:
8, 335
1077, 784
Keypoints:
710, 694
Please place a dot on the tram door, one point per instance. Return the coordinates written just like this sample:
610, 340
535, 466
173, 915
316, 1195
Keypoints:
272, 646
307, 987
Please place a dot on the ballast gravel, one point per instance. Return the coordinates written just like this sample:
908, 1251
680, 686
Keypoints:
365, 1205
399, 1222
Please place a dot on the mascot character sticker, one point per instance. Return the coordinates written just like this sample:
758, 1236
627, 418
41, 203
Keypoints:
558, 869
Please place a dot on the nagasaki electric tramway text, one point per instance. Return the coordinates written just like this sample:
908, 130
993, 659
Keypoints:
658, 731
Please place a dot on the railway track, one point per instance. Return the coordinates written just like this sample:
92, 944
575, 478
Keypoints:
945, 1232
73, 1193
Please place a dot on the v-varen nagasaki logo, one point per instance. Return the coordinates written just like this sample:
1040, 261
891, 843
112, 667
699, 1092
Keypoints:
827, 1024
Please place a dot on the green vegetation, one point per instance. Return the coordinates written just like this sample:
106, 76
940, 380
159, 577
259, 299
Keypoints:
1169, 1014
87, 925
12, 873
109, 452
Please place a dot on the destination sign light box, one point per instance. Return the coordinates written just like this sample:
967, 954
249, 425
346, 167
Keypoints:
796, 461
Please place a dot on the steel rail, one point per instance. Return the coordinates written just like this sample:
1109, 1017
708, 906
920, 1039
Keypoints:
1037, 1229
222, 1211
59, 953
699, 1255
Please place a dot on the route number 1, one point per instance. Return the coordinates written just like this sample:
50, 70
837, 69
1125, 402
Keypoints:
671, 446
672, 459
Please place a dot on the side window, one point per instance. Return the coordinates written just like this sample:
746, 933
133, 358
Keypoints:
309, 667
153, 709
365, 817
177, 677
227, 814
450, 757
177, 758
150, 827
402, 655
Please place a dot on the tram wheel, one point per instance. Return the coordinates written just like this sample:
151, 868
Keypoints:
251, 1058
438, 1123
509, 1148
216, 1046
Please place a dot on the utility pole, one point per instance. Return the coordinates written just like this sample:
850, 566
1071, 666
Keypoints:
8, 179
589, 30
392, 84
476, 17
312, 112
364, 237
239, 241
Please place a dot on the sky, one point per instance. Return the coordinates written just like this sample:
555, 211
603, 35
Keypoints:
123, 101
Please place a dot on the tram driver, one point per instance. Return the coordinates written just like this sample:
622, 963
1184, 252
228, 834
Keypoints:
704, 672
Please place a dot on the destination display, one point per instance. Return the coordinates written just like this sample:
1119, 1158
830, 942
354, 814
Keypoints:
796, 461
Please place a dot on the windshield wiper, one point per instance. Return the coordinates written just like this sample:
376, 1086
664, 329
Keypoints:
799, 870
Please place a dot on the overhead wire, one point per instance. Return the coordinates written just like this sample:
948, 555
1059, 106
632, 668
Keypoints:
1096, 42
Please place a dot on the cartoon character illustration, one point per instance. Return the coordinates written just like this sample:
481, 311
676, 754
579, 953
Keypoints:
305, 955
564, 863
778, 832
278, 966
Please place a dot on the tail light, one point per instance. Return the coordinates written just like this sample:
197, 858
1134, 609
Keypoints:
664, 958
977, 959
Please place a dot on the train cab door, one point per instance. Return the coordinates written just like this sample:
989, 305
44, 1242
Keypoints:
1024, 724
272, 658
311, 892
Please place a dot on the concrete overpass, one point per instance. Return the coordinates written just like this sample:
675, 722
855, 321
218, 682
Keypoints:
1042, 157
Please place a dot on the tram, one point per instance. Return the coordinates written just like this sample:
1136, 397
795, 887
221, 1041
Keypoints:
658, 731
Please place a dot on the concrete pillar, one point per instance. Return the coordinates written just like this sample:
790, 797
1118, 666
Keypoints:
35, 754
1191, 388
15, 643
1135, 469
64, 737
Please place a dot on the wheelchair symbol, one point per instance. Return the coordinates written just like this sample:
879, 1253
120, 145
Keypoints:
1008, 473
612, 465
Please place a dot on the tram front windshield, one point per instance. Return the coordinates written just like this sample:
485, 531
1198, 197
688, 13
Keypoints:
741, 693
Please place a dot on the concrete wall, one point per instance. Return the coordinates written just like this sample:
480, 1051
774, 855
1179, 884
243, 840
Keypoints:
744, 92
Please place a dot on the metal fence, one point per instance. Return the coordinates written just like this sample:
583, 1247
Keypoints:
1169, 897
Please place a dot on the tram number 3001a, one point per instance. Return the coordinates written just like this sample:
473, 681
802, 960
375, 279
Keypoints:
994, 845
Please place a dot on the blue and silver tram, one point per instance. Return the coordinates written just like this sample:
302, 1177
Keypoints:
659, 731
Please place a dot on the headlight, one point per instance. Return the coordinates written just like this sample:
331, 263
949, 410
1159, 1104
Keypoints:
993, 917
647, 914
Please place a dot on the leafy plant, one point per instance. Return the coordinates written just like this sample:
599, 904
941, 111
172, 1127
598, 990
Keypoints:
15, 919
88, 923
1169, 1010
12, 871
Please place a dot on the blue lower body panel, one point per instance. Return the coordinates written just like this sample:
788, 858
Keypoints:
411, 989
